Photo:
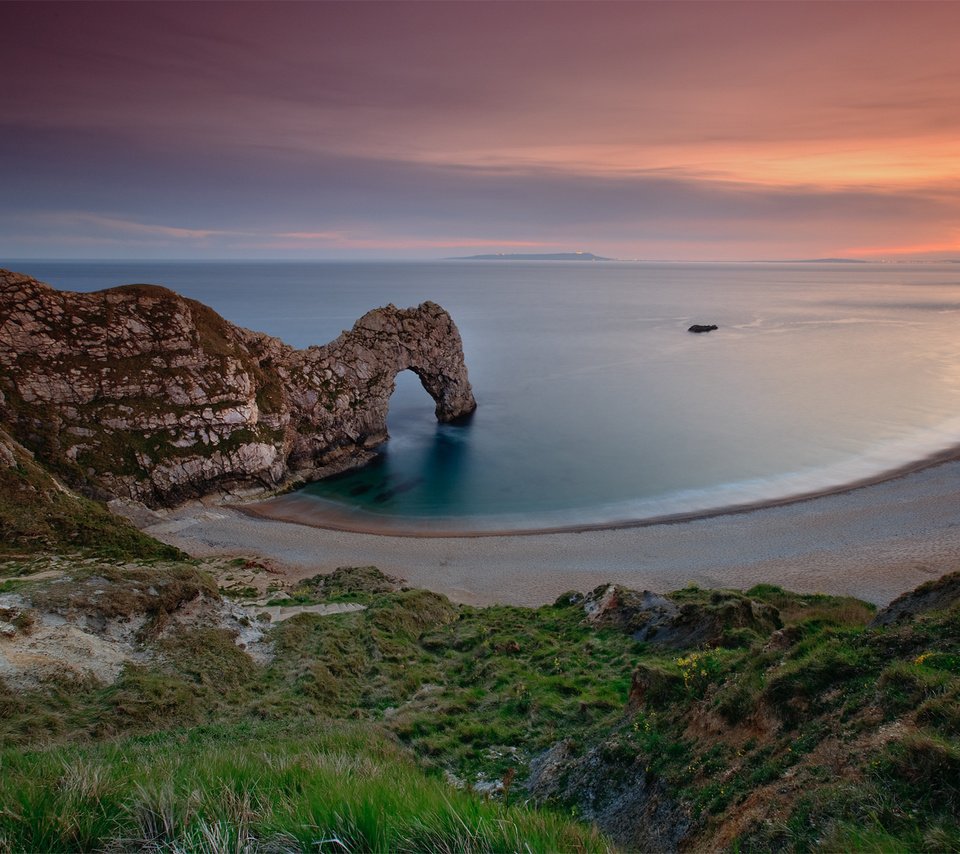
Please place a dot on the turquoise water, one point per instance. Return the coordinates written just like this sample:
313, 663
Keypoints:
595, 404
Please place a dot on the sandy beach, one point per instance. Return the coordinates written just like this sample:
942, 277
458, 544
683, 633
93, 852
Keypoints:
873, 542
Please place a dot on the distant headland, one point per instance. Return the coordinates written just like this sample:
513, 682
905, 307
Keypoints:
549, 256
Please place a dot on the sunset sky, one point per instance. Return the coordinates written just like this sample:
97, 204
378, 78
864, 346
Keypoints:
714, 131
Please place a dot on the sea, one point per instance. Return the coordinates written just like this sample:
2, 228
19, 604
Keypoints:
595, 404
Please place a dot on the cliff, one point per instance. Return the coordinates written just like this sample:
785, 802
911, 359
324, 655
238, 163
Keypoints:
138, 393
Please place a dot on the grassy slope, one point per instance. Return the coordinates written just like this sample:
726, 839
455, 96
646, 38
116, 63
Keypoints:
204, 748
331, 788
38, 513
827, 734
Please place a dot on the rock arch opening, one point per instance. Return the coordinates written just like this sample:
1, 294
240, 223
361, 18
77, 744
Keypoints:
411, 408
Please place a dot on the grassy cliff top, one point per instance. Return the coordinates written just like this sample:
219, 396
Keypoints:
808, 725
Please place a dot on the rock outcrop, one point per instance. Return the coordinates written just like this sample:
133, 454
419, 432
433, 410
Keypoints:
138, 393
630, 805
941, 594
89, 619
684, 619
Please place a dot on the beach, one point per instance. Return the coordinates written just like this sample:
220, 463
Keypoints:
872, 541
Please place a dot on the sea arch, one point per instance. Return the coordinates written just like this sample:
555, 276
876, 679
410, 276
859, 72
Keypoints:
353, 378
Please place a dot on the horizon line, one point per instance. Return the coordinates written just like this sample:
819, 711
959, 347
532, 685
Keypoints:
396, 260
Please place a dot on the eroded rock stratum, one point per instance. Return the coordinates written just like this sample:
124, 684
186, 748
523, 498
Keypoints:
138, 393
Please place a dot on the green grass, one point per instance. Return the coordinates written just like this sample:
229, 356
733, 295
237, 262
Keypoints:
796, 608
37, 515
511, 681
792, 718
835, 687
332, 787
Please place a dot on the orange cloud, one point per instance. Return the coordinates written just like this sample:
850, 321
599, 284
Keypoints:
908, 161
906, 249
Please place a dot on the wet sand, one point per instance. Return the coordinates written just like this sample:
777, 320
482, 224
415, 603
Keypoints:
872, 541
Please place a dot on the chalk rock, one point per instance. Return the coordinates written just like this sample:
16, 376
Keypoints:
138, 393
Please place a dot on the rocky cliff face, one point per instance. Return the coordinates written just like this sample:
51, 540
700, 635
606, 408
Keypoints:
138, 393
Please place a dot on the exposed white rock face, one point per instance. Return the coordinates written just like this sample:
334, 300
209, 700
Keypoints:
138, 393
82, 642
7, 459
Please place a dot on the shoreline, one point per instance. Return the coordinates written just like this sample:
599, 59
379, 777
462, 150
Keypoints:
283, 509
872, 542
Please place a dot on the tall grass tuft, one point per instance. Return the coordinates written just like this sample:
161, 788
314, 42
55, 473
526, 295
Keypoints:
251, 789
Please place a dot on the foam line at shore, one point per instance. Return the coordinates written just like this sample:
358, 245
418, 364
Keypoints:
307, 510
873, 543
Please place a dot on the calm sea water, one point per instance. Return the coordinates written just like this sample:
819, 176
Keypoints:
595, 403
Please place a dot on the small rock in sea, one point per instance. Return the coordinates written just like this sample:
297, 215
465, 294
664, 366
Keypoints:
699, 327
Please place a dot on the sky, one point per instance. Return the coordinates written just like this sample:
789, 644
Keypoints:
663, 131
